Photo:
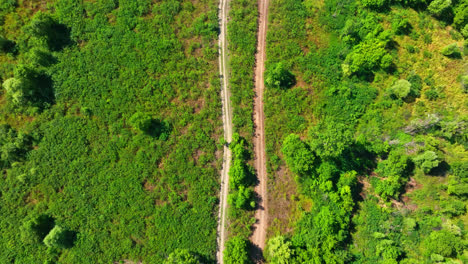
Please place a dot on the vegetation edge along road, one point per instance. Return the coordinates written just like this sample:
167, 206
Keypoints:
261, 216
227, 126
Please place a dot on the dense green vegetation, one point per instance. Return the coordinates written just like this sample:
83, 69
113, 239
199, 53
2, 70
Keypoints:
373, 132
109, 119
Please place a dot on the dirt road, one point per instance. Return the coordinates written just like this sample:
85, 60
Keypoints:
227, 125
259, 235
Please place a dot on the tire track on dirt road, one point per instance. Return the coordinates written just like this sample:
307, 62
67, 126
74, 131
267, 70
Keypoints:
227, 125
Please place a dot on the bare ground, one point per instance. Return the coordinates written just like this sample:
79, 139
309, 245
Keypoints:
261, 215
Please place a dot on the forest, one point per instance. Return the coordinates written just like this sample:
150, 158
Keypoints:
110, 129
367, 134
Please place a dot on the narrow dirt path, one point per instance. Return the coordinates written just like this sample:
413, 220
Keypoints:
259, 235
227, 125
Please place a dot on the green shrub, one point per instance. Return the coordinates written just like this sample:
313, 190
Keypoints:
401, 89
279, 250
236, 251
59, 237
35, 229
182, 256
401, 26
461, 17
277, 76
297, 154
439, 8
427, 161
141, 122
410, 48
242, 198
432, 94
443, 243
366, 57
451, 51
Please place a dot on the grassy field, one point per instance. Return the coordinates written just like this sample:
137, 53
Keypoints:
124, 155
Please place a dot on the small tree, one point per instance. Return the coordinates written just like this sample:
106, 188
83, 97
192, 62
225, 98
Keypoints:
141, 122
297, 154
451, 51
236, 251
401, 89
439, 8
427, 161
277, 76
58, 237
279, 250
181, 256
36, 228
242, 199
238, 174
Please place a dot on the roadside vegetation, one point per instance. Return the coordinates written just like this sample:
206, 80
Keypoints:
242, 46
366, 131
110, 122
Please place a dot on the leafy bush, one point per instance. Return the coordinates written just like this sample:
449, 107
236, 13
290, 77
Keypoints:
35, 229
464, 83
427, 161
400, 89
297, 154
451, 51
432, 94
443, 243
242, 198
397, 164
13, 145
278, 250
236, 251
182, 256
461, 17
141, 122
44, 28
401, 26
390, 186
277, 76
59, 237
366, 57
440, 8
29, 87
